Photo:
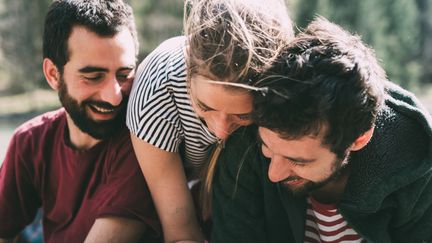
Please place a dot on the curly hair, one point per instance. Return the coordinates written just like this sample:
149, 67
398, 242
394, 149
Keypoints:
325, 80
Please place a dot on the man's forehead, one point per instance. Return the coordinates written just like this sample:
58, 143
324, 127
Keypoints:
90, 51
275, 137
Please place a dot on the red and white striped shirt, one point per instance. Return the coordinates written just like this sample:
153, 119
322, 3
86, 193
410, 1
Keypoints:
324, 224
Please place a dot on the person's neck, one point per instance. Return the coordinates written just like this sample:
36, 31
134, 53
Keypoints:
79, 139
332, 192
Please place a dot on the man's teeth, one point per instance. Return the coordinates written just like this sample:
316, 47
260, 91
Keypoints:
291, 180
102, 110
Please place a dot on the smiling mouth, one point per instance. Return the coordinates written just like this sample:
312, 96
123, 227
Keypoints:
292, 182
102, 110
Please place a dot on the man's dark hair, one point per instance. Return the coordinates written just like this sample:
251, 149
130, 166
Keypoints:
103, 17
326, 80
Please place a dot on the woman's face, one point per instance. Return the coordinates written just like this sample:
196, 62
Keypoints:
222, 108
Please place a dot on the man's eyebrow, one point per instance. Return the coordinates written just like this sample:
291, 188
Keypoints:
299, 160
91, 69
128, 68
294, 159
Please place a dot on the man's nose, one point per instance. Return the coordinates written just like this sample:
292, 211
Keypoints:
111, 92
279, 169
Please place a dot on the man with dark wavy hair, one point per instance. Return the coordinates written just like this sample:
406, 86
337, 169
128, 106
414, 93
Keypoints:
344, 155
77, 163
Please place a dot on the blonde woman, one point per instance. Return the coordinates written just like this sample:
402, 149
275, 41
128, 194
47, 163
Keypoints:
178, 110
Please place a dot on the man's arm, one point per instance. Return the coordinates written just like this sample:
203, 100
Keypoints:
167, 183
115, 230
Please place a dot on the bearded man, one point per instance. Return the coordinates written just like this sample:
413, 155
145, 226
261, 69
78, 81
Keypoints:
77, 163
343, 155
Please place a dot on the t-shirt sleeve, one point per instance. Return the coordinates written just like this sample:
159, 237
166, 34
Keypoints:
152, 113
125, 193
19, 199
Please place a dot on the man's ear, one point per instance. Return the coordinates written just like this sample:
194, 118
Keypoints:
51, 73
362, 140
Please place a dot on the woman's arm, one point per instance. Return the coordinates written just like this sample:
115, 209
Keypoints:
115, 229
167, 182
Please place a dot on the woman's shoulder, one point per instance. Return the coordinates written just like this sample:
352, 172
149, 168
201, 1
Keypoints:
172, 44
168, 49
164, 62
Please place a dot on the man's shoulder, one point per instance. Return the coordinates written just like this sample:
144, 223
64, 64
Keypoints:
119, 149
121, 138
169, 54
41, 124
163, 66
403, 126
398, 154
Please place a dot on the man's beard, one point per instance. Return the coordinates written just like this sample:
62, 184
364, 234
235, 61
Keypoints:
78, 113
339, 166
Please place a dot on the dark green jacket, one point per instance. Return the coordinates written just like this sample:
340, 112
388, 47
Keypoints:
388, 197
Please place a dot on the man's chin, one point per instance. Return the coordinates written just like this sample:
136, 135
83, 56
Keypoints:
296, 190
98, 129
104, 129
304, 189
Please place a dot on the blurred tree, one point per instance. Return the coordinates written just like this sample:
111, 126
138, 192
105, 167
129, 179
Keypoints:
400, 31
157, 20
303, 13
388, 26
425, 22
402, 37
21, 24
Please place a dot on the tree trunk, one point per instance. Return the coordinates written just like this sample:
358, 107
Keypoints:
425, 22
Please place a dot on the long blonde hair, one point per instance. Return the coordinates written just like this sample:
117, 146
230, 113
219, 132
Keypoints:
207, 175
232, 41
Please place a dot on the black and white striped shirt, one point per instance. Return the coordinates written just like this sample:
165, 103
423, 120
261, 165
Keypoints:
159, 108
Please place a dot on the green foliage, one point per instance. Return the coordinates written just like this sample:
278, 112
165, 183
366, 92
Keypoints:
21, 31
425, 25
400, 31
157, 20
390, 27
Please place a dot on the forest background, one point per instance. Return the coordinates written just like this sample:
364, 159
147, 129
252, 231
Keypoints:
400, 31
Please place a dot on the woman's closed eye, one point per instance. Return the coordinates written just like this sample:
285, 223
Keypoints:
202, 107
244, 117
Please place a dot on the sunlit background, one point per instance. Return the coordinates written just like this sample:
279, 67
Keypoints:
400, 31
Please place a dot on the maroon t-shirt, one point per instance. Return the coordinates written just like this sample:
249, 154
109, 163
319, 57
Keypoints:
73, 187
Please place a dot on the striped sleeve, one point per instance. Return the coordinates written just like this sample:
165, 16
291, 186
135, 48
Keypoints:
152, 113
